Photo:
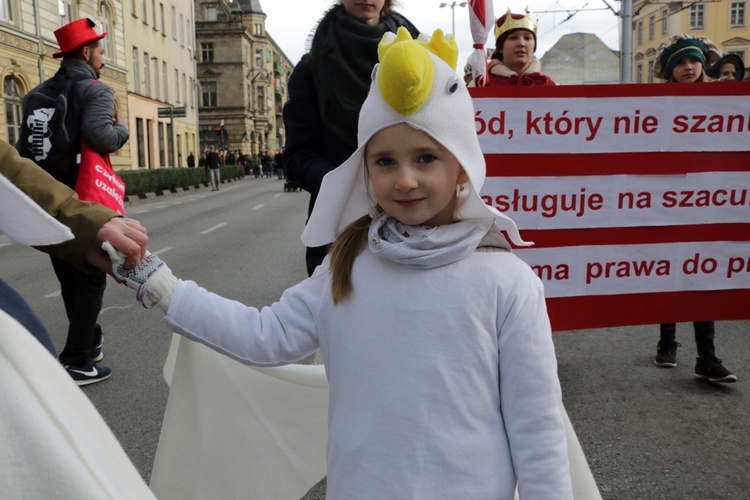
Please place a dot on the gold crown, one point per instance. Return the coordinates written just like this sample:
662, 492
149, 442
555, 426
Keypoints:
513, 24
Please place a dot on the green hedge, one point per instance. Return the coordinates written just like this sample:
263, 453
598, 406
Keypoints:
140, 182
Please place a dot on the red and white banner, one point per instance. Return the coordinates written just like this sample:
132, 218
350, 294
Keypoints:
637, 196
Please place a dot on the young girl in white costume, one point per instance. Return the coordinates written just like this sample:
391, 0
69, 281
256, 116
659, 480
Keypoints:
436, 341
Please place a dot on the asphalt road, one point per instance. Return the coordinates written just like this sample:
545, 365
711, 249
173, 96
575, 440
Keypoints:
648, 432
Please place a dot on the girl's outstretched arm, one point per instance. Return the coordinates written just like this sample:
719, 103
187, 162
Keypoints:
276, 335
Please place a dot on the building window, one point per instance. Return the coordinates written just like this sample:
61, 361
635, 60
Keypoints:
162, 145
182, 30
258, 58
144, 8
189, 34
737, 15
12, 95
157, 88
260, 94
211, 14
184, 89
108, 43
192, 93
207, 51
71, 10
163, 22
141, 139
640, 32
639, 73
133, 8
650, 71
147, 73
136, 71
177, 85
697, 16
209, 94
258, 29
170, 144
164, 77
664, 17
651, 27
174, 23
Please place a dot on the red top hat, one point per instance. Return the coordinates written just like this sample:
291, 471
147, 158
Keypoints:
75, 35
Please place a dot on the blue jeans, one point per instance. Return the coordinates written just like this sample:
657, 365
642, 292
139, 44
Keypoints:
12, 303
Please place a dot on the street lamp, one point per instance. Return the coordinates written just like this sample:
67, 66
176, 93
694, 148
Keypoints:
452, 5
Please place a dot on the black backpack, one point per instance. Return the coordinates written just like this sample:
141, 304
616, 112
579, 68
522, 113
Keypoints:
51, 126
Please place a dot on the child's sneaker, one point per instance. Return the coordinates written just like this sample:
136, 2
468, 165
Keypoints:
710, 368
87, 374
666, 353
96, 353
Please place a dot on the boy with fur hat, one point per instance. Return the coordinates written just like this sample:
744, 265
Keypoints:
435, 336
684, 60
513, 61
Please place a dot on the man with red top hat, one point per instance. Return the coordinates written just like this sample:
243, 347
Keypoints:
513, 62
82, 60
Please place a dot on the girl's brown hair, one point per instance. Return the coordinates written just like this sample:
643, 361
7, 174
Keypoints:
344, 251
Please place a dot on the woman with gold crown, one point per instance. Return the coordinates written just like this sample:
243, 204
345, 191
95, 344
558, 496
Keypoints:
513, 62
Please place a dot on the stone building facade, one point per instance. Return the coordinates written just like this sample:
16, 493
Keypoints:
725, 22
242, 74
580, 58
159, 54
27, 42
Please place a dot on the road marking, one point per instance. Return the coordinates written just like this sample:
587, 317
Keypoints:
162, 250
53, 294
277, 195
217, 226
256, 207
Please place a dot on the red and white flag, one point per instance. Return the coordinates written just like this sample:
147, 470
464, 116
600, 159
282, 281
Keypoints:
481, 19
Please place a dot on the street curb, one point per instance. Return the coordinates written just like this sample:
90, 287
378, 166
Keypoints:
130, 201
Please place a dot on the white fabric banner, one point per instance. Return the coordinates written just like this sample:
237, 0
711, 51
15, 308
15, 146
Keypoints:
53, 442
627, 269
568, 202
235, 431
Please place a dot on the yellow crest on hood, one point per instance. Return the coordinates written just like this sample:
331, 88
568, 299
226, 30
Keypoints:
406, 72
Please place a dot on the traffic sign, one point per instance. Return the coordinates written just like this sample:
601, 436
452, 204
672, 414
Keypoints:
172, 112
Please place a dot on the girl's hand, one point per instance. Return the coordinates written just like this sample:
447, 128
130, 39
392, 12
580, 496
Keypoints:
150, 278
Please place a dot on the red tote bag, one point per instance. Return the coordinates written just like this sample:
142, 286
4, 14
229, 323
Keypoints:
98, 182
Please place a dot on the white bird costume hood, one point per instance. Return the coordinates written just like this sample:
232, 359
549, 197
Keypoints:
414, 83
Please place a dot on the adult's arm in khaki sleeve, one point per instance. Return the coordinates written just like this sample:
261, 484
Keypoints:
91, 223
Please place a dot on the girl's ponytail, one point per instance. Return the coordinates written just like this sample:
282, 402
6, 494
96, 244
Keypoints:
348, 245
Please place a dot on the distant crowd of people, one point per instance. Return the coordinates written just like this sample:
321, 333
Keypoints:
257, 164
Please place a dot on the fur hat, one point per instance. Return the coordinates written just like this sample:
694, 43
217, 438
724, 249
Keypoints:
75, 35
415, 83
715, 70
680, 47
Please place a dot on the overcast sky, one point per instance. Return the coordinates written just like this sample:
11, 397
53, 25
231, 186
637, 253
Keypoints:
290, 21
